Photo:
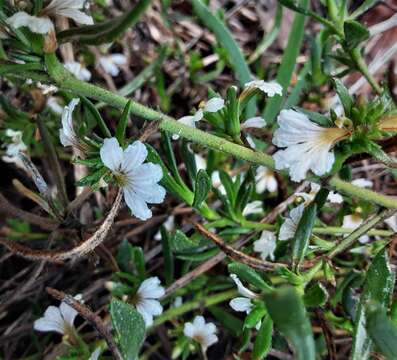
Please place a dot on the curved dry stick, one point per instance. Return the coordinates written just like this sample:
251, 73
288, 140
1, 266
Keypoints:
80, 250
92, 318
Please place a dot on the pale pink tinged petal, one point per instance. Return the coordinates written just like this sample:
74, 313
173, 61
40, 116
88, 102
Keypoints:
137, 206
46, 325
134, 155
111, 154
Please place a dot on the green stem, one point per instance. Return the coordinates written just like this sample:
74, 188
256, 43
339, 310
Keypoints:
193, 305
362, 230
358, 59
67, 81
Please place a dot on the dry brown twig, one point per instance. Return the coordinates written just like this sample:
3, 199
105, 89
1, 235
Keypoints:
80, 250
88, 315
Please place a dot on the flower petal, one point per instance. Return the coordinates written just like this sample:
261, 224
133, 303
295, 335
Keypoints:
111, 154
39, 25
137, 205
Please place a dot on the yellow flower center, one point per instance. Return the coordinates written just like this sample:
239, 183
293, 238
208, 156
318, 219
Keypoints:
121, 179
333, 135
388, 123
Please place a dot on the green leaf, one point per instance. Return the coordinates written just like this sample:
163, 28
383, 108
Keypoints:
169, 153
315, 296
288, 313
202, 188
344, 96
255, 315
288, 63
378, 287
225, 38
97, 116
303, 233
263, 339
231, 323
382, 330
123, 122
355, 33
181, 243
245, 273
129, 327
365, 6
105, 32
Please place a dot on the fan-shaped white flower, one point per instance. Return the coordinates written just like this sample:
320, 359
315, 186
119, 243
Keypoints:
14, 148
254, 207
265, 180
67, 135
168, 224
363, 183
308, 145
111, 63
269, 88
353, 221
145, 299
78, 70
289, 226
254, 122
53, 104
58, 319
202, 332
138, 180
41, 24
266, 245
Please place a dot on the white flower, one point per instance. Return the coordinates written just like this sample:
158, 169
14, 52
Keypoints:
254, 122
250, 141
111, 63
42, 24
333, 197
202, 332
14, 148
254, 207
308, 145
53, 104
169, 225
392, 222
146, 301
265, 180
69, 9
216, 182
353, 221
266, 245
242, 289
289, 226
58, 319
213, 105
201, 163
189, 120
269, 88
46, 89
363, 183
38, 25
138, 180
78, 70
67, 135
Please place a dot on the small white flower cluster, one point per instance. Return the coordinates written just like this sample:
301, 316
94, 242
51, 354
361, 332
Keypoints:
201, 332
42, 24
112, 62
14, 148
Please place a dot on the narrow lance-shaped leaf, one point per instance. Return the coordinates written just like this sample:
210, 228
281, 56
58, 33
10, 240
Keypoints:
129, 327
245, 273
202, 188
288, 313
378, 287
263, 340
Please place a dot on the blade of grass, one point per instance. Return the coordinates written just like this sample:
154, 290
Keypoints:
288, 63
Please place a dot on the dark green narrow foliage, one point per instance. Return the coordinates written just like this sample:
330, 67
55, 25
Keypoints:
288, 62
245, 273
263, 340
289, 315
97, 116
169, 153
168, 256
123, 122
202, 188
378, 287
